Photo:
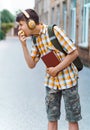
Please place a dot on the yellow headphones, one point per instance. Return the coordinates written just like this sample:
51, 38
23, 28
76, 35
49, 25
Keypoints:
31, 23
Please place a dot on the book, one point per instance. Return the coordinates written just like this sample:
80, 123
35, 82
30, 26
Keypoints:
50, 59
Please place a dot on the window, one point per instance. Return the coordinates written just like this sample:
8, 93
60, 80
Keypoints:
73, 20
40, 7
52, 16
45, 5
58, 15
85, 26
73, 24
64, 15
87, 1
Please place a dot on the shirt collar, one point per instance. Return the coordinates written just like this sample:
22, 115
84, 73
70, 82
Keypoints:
43, 30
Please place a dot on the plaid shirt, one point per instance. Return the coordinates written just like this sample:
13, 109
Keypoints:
66, 78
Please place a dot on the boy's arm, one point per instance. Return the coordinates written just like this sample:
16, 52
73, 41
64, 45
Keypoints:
53, 71
29, 60
67, 61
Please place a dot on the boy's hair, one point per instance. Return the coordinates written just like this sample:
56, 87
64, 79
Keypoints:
33, 15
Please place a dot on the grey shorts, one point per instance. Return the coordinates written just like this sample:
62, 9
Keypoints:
71, 100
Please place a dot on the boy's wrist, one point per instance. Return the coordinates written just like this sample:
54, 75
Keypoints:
23, 44
56, 70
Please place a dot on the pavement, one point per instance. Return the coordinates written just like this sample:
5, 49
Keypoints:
22, 92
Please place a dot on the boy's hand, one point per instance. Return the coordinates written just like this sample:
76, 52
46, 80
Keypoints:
52, 71
22, 37
21, 32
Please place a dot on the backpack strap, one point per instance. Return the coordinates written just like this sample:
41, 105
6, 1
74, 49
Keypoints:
54, 39
34, 40
77, 62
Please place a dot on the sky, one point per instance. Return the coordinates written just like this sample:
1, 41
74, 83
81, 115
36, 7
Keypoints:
15, 5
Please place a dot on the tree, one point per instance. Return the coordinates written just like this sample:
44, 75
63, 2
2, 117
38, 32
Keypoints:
7, 17
7, 22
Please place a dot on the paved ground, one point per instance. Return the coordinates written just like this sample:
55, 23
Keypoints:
22, 92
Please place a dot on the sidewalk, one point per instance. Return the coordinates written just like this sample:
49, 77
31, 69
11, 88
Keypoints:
22, 93
84, 89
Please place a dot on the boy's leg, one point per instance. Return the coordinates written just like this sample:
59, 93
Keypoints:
53, 103
73, 126
72, 107
53, 125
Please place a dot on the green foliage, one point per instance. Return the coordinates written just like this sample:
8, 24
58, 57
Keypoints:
7, 22
7, 26
2, 35
7, 17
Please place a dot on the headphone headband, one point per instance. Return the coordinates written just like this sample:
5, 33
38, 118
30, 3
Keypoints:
26, 14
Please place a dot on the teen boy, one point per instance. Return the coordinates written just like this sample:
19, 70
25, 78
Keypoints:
60, 80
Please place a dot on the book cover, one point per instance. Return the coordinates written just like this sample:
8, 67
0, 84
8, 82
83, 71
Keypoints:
50, 59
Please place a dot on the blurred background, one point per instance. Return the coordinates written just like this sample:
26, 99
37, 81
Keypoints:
21, 89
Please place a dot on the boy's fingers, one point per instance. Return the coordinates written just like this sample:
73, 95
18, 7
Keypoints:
20, 32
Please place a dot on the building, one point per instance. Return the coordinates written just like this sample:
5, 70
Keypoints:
73, 16
42, 8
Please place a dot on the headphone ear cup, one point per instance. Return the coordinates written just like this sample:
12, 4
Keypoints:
31, 24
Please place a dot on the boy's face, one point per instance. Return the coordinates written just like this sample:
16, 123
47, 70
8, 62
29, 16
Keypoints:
24, 27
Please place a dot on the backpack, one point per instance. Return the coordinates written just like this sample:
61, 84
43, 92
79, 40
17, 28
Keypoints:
77, 62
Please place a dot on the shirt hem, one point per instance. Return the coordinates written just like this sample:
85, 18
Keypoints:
55, 88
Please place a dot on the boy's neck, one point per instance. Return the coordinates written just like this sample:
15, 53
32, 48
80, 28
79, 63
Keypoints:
37, 30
